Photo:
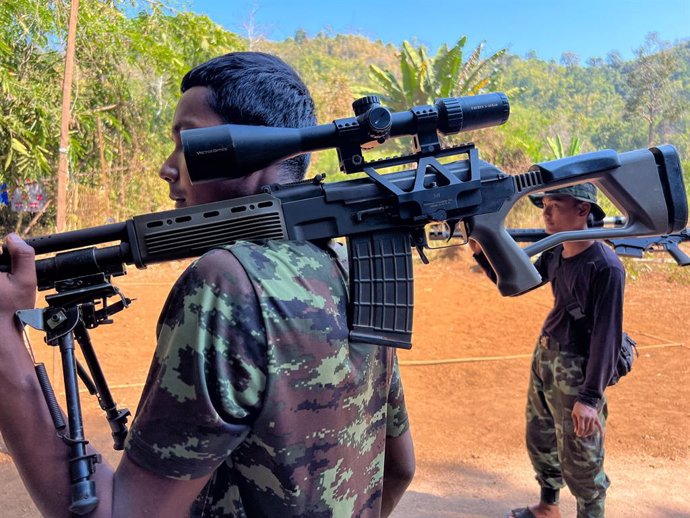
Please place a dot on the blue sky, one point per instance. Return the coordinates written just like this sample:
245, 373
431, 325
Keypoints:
587, 27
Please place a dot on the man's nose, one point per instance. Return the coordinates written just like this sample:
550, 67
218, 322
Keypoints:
168, 173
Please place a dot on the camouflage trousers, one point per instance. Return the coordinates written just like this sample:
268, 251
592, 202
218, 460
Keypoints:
557, 454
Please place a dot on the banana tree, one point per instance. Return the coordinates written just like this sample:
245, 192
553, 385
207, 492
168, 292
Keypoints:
423, 78
558, 150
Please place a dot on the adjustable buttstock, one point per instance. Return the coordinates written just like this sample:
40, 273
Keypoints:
653, 204
647, 187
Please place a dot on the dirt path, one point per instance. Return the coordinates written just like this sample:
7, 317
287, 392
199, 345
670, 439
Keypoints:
467, 415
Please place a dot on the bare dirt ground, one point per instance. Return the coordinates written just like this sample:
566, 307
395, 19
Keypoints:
465, 381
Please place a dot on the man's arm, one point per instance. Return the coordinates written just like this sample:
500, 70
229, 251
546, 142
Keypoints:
606, 334
605, 341
399, 468
138, 493
399, 461
25, 423
27, 428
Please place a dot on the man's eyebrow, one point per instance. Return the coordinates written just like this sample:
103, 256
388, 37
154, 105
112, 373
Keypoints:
189, 123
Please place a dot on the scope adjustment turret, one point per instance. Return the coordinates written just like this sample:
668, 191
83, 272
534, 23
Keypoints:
362, 104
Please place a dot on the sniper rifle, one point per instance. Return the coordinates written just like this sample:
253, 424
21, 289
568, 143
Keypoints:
382, 217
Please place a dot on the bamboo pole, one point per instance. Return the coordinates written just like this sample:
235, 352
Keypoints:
63, 163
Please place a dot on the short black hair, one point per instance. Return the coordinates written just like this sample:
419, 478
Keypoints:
257, 89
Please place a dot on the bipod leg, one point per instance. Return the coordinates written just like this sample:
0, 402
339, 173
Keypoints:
117, 419
83, 497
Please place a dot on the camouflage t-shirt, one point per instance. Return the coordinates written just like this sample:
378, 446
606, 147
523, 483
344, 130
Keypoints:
254, 380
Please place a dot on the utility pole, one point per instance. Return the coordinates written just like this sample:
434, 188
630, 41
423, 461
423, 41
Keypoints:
63, 162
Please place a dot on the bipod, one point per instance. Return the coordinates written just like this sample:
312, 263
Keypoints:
71, 312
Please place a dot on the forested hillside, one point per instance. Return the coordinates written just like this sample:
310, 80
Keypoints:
129, 61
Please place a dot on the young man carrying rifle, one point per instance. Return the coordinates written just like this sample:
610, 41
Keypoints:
256, 403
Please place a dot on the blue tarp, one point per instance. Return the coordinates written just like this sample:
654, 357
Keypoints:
4, 197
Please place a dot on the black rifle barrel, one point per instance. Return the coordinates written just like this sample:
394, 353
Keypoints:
109, 260
77, 261
78, 238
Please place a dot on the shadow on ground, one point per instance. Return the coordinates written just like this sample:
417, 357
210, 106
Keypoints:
467, 491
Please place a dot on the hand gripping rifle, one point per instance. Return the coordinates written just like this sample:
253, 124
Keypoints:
382, 216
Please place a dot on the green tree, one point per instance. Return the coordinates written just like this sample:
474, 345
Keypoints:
29, 102
330, 66
29, 98
130, 57
654, 91
426, 78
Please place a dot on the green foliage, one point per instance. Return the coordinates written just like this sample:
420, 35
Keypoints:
421, 79
28, 103
131, 55
602, 103
125, 87
635, 269
656, 264
330, 66
559, 151
654, 91
677, 275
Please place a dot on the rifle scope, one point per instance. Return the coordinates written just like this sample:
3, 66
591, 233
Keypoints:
233, 150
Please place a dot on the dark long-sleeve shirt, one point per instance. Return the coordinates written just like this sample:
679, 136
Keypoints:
595, 279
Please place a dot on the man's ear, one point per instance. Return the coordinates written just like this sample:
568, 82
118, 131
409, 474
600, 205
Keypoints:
584, 208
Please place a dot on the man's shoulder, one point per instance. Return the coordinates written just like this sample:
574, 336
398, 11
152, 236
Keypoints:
215, 267
300, 257
603, 266
229, 259
235, 270
607, 258
549, 260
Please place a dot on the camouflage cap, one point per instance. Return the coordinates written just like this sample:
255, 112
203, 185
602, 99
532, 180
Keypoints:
582, 192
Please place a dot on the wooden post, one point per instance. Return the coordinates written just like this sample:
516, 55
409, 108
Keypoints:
105, 187
63, 161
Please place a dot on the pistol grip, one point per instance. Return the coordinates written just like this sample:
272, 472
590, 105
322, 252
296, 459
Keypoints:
381, 288
514, 270
680, 257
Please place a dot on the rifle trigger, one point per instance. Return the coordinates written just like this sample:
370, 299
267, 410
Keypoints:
422, 255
